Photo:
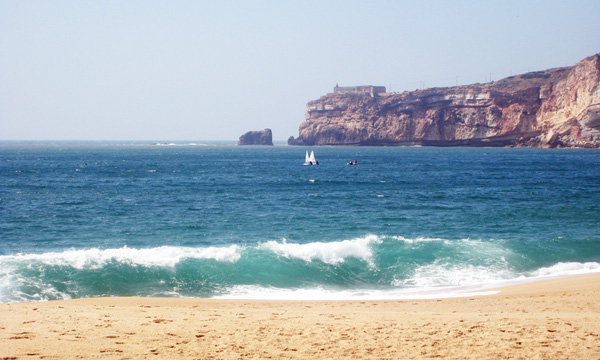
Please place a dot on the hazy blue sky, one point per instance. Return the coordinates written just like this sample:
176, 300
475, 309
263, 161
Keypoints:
212, 70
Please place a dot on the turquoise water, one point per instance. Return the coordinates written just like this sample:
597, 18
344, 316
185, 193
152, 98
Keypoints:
218, 220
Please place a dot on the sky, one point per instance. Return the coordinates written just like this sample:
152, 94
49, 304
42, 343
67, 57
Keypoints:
213, 70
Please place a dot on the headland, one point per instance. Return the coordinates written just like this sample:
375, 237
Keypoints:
552, 108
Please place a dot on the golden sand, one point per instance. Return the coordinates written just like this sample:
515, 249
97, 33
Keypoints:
555, 319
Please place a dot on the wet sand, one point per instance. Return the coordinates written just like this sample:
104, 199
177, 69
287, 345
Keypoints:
554, 319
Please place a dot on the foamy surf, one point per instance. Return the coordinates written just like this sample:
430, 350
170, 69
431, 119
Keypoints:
93, 259
369, 267
319, 293
329, 252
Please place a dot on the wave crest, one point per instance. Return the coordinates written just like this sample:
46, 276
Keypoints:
165, 256
331, 253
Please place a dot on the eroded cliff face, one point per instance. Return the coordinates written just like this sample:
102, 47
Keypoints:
552, 108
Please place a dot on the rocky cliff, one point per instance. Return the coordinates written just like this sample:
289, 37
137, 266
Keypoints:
553, 108
264, 137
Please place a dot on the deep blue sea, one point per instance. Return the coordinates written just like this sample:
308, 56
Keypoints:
218, 220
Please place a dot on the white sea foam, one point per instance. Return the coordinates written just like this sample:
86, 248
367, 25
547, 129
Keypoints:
166, 256
485, 277
415, 240
429, 282
472, 265
255, 292
468, 262
567, 269
11, 283
12, 278
330, 252
435, 276
193, 144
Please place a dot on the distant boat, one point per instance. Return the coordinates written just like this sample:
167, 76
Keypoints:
310, 159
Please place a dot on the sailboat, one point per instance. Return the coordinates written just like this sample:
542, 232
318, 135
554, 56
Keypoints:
310, 159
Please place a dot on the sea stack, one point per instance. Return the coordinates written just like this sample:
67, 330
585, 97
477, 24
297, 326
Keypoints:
264, 137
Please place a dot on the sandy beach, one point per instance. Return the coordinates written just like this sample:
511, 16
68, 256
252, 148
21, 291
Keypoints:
554, 319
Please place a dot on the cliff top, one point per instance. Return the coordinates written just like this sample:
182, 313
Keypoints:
531, 79
510, 84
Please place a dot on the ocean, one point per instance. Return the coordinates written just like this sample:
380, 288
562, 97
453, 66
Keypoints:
215, 220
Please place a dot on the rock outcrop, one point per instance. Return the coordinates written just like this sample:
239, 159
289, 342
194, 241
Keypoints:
553, 108
264, 137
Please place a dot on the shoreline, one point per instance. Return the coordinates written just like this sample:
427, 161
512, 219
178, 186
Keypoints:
449, 292
549, 319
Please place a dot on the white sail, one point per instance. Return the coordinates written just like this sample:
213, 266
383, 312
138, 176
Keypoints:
310, 159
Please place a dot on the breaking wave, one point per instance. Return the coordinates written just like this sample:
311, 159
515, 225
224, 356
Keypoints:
373, 267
